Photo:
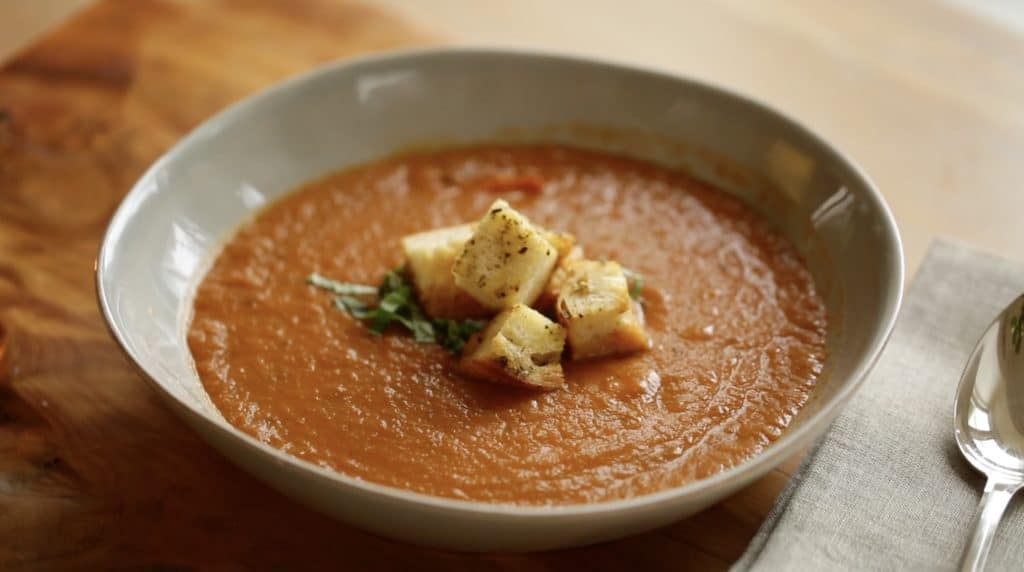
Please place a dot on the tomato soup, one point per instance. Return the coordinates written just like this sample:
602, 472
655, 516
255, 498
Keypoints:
737, 327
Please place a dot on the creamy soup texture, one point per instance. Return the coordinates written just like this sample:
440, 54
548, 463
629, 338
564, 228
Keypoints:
738, 332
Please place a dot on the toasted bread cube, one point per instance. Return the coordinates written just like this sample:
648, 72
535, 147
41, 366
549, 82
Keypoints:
519, 347
593, 290
430, 257
597, 312
507, 261
564, 242
549, 296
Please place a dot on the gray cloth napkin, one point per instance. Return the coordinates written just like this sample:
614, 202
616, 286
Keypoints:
886, 488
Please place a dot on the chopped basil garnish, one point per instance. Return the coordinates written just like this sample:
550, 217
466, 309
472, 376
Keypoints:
340, 288
396, 304
453, 335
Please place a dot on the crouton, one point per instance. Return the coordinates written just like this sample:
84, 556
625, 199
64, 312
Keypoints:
507, 261
595, 308
519, 347
564, 242
549, 295
430, 257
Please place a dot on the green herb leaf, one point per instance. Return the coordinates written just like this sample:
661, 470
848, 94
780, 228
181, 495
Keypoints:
379, 320
397, 305
353, 306
394, 302
453, 335
340, 288
394, 281
422, 330
635, 280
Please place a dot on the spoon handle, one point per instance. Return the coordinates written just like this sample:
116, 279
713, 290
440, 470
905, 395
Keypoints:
986, 520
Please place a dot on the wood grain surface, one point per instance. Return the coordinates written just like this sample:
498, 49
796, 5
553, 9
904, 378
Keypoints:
95, 473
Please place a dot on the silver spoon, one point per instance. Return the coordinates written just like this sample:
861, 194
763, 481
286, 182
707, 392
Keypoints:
988, 421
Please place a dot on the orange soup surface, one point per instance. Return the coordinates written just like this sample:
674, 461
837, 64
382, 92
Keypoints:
738, 333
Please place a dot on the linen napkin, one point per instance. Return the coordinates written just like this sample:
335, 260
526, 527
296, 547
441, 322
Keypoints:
886, 488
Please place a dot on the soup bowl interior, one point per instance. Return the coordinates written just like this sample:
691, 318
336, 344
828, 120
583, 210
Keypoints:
170, 225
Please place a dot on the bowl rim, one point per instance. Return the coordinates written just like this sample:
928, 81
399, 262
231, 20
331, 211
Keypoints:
751, 468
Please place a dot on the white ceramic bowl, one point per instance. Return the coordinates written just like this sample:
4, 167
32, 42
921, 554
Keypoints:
170, 224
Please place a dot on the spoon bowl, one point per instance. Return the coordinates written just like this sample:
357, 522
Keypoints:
988, 423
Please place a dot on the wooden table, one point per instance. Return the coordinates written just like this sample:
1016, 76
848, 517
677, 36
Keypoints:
96, 473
